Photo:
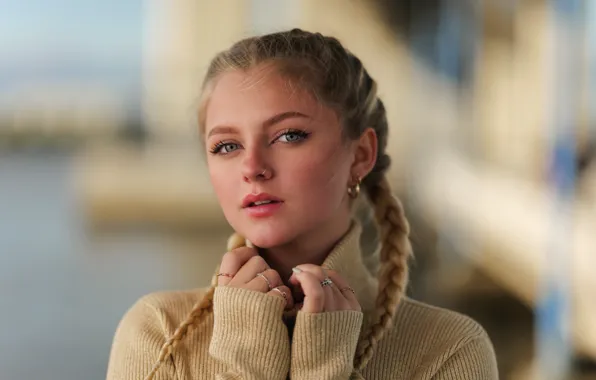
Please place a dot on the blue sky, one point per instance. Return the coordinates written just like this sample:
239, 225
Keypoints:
86, 39
70, 38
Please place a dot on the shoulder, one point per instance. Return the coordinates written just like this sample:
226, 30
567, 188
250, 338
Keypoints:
161, 310
172, 300
431, 339
438, 324
143, 330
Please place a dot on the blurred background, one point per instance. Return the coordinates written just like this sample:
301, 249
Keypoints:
104, 194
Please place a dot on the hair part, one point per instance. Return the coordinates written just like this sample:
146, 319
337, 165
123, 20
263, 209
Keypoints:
337, 79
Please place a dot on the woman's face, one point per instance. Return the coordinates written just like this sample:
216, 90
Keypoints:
270, 141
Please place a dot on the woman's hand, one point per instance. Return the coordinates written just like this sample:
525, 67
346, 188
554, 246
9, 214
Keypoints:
320, 297
247, 319
244, 268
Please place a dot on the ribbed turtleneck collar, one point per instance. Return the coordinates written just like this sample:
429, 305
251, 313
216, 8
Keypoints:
346, 259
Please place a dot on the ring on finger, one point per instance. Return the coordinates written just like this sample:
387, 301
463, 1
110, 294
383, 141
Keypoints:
266, 280
347, 288
326, 282
283, 294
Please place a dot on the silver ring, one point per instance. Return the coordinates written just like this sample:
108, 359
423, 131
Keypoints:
266, 280
327, 282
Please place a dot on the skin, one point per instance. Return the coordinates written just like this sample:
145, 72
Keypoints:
264, 135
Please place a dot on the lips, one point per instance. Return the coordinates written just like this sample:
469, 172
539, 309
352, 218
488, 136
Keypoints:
259, 203
253, 200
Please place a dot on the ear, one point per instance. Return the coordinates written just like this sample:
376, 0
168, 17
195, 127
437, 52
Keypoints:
365, 154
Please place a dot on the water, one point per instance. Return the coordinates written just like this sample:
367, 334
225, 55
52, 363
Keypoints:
64, 287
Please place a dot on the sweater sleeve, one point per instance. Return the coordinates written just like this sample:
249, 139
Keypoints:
136, 345
324, 345
249, 336
474, 360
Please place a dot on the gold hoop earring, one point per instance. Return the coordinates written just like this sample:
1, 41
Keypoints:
354, 190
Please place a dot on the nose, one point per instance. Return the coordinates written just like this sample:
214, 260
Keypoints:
254, 165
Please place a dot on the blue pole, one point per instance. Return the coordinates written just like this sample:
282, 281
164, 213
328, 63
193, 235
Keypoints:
553, 312
590, 23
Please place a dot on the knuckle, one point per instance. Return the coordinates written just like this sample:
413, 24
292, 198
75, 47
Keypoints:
231, 259
336, 277
333, 273
321, 272
257, 260
244, 253
285, 289
273, 276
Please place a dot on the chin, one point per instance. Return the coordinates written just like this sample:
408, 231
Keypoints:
265, 235
267, 240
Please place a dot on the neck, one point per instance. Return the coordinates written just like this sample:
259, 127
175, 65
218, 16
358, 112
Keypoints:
312, 247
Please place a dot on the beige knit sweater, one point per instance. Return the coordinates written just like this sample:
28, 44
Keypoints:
246, 338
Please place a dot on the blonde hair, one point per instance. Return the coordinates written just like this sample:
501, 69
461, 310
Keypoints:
337, 78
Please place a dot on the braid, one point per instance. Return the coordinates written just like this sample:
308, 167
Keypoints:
200, 309
393, 227
393, 276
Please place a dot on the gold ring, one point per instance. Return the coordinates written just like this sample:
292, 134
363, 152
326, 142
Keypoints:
266, 279
348, 289
282, 293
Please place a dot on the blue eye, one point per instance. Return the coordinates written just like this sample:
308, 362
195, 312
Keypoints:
288, 136
292, 135
224, 148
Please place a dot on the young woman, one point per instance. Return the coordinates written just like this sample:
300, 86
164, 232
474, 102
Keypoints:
295, 132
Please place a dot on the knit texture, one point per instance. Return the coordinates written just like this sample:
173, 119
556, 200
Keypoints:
245, 336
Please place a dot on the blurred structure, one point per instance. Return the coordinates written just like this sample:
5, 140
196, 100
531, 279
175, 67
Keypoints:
480, 112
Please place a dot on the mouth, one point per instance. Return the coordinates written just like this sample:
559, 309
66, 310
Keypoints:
260, 203
262, 199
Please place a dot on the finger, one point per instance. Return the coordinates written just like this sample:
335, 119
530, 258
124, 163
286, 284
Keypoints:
316, 270
231, 262
344, 288
331, 300
296, 289
339, 301
247, 273
314, 295
285, 293
264, 281
320, 273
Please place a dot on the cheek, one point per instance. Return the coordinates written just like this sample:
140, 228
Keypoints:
323, 175
223, 183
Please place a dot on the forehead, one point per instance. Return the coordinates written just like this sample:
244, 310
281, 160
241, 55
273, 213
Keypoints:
255, 95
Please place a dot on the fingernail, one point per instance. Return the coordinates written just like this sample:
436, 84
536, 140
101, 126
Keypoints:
296, 270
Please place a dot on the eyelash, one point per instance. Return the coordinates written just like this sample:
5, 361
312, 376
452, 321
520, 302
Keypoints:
303, 135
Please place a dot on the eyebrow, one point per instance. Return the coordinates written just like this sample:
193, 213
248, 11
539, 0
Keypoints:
266, 124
